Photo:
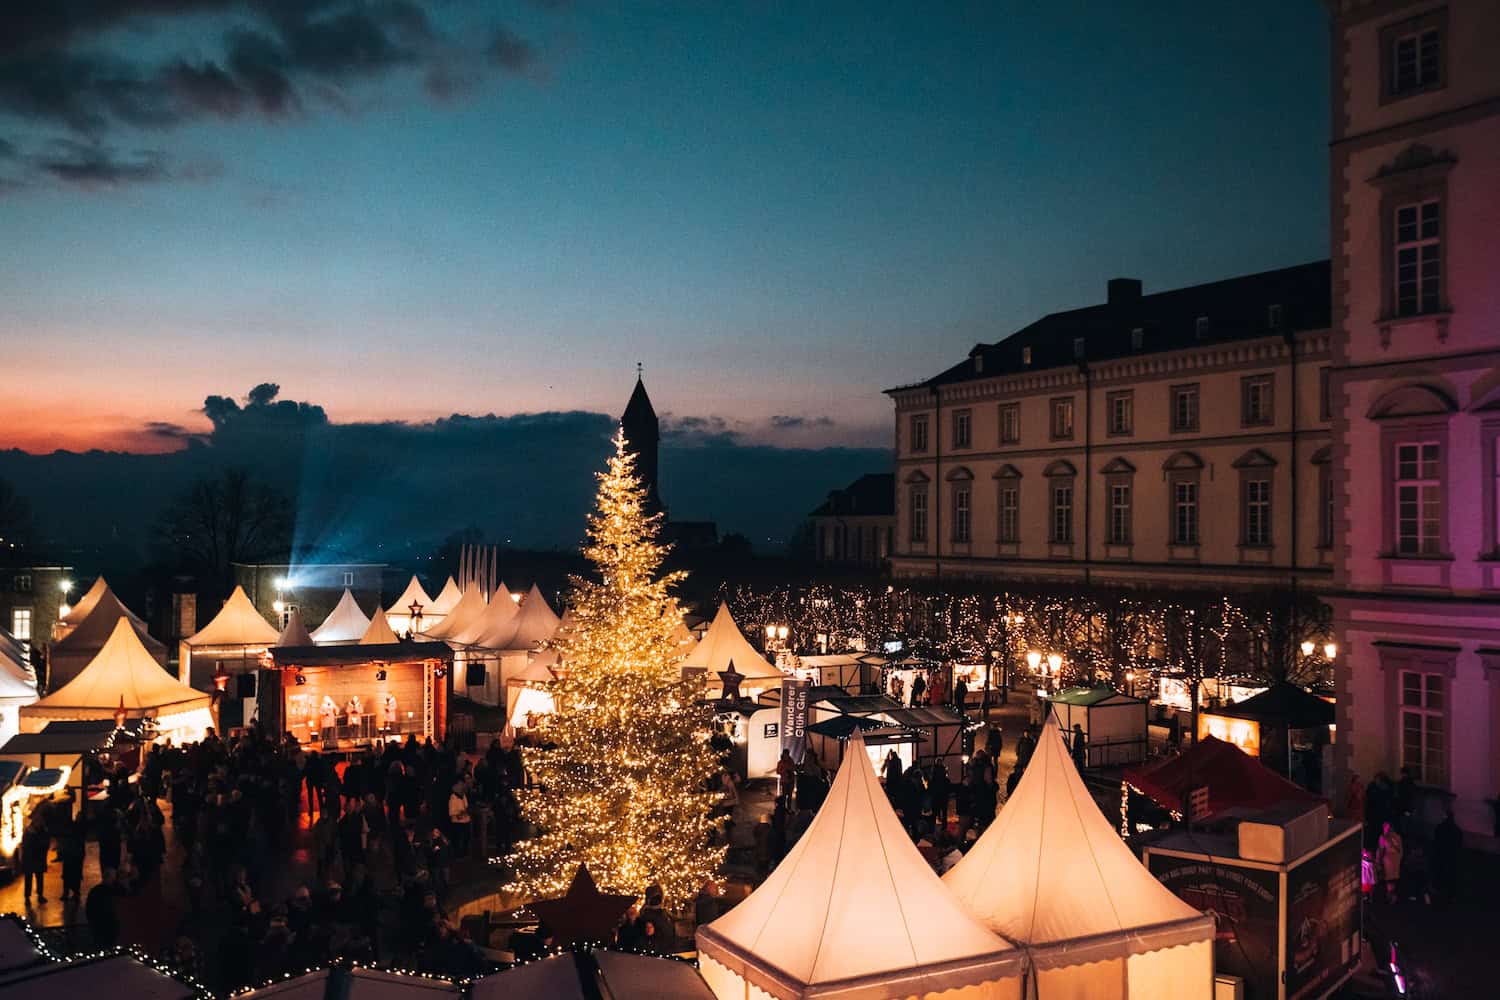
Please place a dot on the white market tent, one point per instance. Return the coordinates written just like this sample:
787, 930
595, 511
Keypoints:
494, 619
724, 643
469, 606
239, 632
446, 600
124, 676
70, 654
344, 624
308, 986
111, 974
854, 911
380, 631
534, 623
85, 607
1052, 875
526, 691
613, 974
399, 616
17, 685
295, 633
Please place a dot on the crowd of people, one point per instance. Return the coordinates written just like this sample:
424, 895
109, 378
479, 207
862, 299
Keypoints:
1399, 861
384, 830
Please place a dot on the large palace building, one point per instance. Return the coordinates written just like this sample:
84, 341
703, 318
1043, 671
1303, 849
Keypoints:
1180, 437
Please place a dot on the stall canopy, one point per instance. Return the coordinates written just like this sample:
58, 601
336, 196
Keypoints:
723, 643
854, 910
534, 624
399, 616
587, 975
70, 654
86, 605
112, 974
1051, 874
446, 600
295, 633
493, 622
345, 623
380, 632
16, 677
470, 606
1230, 778
122, 674
238, 623
17, 947
1283, 704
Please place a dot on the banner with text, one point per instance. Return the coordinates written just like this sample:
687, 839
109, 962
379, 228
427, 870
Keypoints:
794, 694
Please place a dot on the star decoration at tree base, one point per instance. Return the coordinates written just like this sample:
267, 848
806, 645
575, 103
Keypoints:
583, 914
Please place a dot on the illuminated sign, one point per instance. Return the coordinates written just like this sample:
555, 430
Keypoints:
1243, 733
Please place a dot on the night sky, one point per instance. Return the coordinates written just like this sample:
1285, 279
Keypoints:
401, 210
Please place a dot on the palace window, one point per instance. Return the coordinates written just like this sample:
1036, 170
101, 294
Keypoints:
963, 428
348, 579
1119, 514
1121, 412
1424, 726
20, 624
1010, 510
1255, 400
1062, 512
961, 512
919, 432
919, 513
1256, 519
1419, 498
1185, 513
1185, 407
23, 583
1419, 257
1062, 418
1010, 423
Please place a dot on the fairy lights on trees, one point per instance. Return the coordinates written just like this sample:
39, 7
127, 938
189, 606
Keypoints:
622, 779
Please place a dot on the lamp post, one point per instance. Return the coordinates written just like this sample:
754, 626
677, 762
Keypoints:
1054, 668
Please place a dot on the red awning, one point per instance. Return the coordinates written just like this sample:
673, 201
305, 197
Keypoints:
1233, 779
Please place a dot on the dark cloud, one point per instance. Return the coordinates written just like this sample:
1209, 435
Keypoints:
92, 165
277, 57
7, 150
783, 422
697, 432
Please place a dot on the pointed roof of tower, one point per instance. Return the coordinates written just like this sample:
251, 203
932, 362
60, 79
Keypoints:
639, 410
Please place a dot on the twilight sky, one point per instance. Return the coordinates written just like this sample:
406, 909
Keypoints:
402, 210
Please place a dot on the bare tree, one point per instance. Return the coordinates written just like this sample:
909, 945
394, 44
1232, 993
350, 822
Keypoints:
15, 515
218, 522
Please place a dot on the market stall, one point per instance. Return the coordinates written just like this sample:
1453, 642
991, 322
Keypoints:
1093, 920
345, 623
854, 909
232, 643
856, 673
1113, 723
1208, 779
68, 656
899, 677
724, 644
17, 685
594, 974
124, 681
343, 697
458, 617
1289, 729
400, 616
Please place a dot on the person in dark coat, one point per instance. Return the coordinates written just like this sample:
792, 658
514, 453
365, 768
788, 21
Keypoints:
103, 918
108, 833
1447, 846
1025, 747
918, 689
70, 851
892, 771
35, 842
1080, 747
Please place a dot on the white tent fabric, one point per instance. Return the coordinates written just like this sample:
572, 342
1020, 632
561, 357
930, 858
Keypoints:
533, 624
494, 621
309, 986
89, 601
238, 623
469, 607
413, 594
295, 633
1052, 874
73, 652
620, 976
380, 631
854, 911
724, 643
446, 600
109, 975
123, 673
17, 679
373, 984
345, 623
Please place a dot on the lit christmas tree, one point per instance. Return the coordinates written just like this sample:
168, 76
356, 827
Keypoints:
622, 780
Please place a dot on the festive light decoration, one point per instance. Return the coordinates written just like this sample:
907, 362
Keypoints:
624, 779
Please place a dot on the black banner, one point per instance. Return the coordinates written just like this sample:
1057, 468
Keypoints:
1322, 920
1246, 912
794, 717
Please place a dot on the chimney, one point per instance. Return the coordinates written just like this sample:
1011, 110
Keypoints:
1124, 291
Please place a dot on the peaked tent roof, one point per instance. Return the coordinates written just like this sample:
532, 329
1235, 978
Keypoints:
380, 631
1233, 779
89, 600
1283, 703
123, 673
724, 642
295, 633
492, 624
535, 623
412, 593
854, 904
17, 679
1051, 869
345, 623
94, 631
447, 598
238, 623
459, 616
538, 671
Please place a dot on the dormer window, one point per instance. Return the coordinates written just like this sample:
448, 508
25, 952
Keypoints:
1273, 316
1025, 355
1137, 339
979, 364
1201, 327
1078, 344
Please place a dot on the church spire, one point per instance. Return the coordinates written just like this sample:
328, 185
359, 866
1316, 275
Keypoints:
642, 436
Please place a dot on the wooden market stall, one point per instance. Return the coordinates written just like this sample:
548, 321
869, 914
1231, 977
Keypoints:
1113, 723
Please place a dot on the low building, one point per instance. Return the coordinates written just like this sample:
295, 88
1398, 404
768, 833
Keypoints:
856, 525
314, 589
32, 598
1178, 438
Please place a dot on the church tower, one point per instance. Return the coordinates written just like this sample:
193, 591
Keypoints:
642, 436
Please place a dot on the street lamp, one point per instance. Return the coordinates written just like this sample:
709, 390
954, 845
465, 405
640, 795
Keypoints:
1331, 650
1033, 659
65, 585
1307, 647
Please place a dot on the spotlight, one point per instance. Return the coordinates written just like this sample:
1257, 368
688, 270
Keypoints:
301, 678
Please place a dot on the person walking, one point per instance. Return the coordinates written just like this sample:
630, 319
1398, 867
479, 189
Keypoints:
786, 777
891, 770
918, 689
1391, 851
70, 851
35, 842
99, 909
1447, 848
458, 819
1080, 747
